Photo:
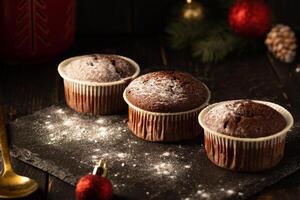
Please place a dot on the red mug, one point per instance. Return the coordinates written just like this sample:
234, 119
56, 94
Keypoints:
35, 30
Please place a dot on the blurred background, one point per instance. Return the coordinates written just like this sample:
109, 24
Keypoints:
148, 17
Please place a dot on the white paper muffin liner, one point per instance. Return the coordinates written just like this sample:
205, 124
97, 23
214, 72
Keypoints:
164, 127
246, 154
93, 97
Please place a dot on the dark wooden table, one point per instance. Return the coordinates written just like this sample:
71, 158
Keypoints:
27, 88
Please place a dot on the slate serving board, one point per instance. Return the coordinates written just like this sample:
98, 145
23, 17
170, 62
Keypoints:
68, 145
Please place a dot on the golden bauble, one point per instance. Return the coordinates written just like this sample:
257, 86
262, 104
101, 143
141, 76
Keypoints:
192, 12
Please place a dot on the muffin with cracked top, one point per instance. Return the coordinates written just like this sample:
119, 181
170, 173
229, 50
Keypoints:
163, 105
94, 83
245, 135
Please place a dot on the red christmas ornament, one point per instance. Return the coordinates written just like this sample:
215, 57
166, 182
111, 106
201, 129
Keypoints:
95, 186
250, 18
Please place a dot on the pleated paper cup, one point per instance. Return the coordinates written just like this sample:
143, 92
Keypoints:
93, 97
164, 127
246, 154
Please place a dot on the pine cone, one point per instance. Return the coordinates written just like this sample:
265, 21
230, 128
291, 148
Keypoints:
282, 43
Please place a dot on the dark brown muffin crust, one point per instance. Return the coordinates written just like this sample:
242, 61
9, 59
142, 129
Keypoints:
167, 91
99, 68
245, 119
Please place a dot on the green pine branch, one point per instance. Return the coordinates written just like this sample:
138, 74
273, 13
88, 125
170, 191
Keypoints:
211, 42
218, 44
180, 34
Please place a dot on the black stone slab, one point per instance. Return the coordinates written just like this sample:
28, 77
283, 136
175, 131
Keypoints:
67, 145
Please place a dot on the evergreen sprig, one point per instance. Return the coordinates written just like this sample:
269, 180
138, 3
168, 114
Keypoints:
218, 43
182, 34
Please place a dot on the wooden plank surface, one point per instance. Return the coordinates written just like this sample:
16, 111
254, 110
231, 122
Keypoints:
57, 189
150, 17
104, 17
28, 88
289, 80
286, 12
25, 95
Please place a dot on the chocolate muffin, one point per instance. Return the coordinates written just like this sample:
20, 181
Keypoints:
94, 84
167, 91
163, 106
244, 118
245, 135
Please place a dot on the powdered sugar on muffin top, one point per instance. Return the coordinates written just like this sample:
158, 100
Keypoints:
99, 68
167, 91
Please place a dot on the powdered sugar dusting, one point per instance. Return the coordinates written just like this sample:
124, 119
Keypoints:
71, 128
97, 68
107, 137
223, 109
76, 142
167, 91
165, 88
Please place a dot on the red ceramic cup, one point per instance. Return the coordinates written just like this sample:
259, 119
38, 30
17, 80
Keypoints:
35, 30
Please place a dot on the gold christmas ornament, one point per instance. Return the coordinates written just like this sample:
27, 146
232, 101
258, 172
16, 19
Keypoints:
282, 43
192, 11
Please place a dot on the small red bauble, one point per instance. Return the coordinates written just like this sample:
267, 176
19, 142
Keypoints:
250, 18
94, 187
